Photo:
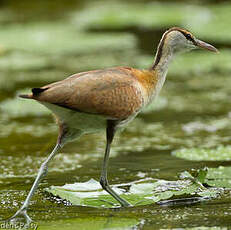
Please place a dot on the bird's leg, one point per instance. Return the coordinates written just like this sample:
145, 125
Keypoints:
42, 173
111, 128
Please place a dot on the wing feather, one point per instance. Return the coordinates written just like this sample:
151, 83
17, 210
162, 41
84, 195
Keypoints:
113, 93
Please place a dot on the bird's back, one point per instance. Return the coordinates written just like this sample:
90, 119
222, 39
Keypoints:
116, 93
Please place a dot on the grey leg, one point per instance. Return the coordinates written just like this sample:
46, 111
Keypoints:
111, 128
42, 173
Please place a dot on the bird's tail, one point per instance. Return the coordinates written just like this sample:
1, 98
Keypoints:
27, 96
35, 92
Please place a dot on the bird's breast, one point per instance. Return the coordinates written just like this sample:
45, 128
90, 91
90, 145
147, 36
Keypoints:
151, 83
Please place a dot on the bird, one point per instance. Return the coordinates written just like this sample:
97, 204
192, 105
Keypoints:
106, 99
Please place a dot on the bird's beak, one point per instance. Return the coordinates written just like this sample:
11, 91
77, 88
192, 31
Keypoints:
206, 46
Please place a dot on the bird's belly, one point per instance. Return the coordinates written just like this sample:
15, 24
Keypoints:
86, 123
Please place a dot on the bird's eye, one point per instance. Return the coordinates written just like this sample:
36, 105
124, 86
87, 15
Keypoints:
189, 37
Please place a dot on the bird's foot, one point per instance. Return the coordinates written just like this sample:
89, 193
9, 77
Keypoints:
126, 204
108, 202
21, 217
139, 202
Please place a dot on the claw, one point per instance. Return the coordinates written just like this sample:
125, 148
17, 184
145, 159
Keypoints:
18, 214
111, 203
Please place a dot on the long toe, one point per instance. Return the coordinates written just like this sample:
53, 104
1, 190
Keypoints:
19, 216
125, 204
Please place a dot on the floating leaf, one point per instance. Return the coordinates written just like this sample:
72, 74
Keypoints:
60, 38
210, 126
208, 63
148, 191
200, 19
201, 175
105, 15
90, 193
197, 176
217, 16
219, 177
221, 153
19, 61
18, 107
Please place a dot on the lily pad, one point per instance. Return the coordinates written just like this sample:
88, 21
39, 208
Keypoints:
201, 62
196, 63
33, 78
19, 61
188, 96
143, 192
219, 177
221, 153
24, 68
217, 16
210, 126
200, 19
18, 107
20, 128
60, 39
105, 15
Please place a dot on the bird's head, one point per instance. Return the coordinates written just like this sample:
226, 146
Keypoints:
181, 40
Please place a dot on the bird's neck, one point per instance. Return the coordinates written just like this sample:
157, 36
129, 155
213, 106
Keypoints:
160, 68
162, 60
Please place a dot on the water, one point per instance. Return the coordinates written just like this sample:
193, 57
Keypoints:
28, 133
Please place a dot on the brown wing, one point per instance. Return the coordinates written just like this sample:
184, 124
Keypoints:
113, 93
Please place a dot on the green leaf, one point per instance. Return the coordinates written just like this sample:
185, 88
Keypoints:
201, 174
219, 177
143, 192
18, 107
210, 63
59, 39
148, 191
196, 176
216, 177
221, 153
200, 19
136, 14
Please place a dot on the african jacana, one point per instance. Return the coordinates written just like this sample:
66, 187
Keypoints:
106, 99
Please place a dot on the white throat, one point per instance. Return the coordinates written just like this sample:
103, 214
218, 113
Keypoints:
163, 64
161, 69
